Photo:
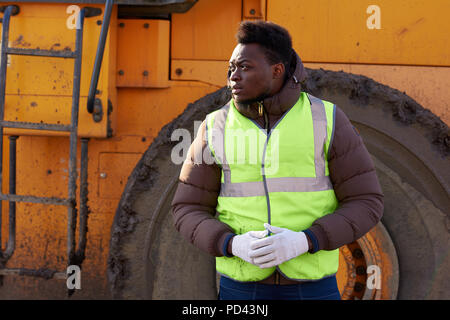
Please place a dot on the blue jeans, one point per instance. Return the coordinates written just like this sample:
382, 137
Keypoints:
325, 289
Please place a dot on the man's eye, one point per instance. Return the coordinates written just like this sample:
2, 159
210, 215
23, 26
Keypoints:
244, 68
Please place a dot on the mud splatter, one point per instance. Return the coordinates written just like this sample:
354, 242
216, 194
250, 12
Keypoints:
20, 42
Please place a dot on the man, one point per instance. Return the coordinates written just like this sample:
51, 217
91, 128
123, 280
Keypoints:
282, 215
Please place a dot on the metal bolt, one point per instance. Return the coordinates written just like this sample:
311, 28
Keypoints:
360, 270
97, 117
146, 25
103, 175
252, 11
145, 73
358, 287
358, 254
121, 72
99, 22
121, 24
179, 71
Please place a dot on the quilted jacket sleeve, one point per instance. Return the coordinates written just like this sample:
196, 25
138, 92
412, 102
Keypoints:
357, 189
195, 200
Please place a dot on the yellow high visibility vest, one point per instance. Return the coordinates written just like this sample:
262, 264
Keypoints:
280, 177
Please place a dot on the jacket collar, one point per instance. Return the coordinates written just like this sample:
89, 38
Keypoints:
284, 99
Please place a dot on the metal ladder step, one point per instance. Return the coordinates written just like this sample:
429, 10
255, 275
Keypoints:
42, 53
42, 273
35, 126
34, 199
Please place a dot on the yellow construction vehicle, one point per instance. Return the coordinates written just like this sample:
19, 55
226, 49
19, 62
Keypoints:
92, 91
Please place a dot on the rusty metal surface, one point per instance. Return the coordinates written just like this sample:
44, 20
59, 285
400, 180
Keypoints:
73, 257
380, 251
84, 209
72, 210
346, 276
39, 89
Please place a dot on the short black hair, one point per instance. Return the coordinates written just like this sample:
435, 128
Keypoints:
275, 39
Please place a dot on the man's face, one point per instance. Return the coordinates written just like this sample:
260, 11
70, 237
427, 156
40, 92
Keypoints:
251, 77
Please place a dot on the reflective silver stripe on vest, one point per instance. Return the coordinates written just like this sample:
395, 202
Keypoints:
218, 140
285, 184
281, 184
320, 133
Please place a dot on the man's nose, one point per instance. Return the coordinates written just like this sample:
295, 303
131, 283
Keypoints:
234, 75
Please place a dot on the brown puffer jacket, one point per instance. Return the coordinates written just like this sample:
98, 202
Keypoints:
351, 170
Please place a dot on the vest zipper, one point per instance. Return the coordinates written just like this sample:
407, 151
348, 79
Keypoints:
263, 172
277, 277
262, 113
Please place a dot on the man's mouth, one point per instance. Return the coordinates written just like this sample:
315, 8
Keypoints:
236, 90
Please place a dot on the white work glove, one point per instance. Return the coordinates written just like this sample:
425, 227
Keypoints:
240, 247
282, 246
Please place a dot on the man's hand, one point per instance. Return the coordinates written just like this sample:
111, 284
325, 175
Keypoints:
240, 246
282, 246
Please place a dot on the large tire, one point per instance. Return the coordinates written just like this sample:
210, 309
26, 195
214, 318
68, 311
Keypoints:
149, 260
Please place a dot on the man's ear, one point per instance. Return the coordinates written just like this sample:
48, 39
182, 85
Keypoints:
278, 70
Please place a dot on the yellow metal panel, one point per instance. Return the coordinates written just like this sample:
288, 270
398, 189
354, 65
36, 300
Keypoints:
212, 72
253, 9
145, 112
128, 144
112, 181
48, 82
53, 110
40, 76
143, 53
380, 32
206, 31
